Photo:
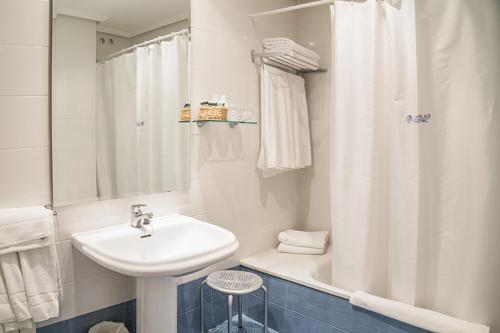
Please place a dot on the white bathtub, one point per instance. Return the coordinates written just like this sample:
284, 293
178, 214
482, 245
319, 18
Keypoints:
313, 271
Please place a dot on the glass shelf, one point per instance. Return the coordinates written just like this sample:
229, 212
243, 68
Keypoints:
231, 123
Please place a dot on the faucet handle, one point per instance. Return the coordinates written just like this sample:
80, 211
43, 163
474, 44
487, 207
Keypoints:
137, 207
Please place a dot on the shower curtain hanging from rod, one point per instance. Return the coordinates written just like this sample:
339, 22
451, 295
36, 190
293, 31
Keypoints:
149, 42
293, 8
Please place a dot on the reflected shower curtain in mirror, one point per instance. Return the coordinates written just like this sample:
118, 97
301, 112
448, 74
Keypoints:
416, 153
141, 147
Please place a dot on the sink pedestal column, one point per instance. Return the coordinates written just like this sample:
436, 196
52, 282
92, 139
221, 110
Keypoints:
157, 305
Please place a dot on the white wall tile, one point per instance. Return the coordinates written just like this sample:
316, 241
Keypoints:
226, 189
314, 181
24, 177
100, 291
65, 255
24, 22
25, 122
25, 70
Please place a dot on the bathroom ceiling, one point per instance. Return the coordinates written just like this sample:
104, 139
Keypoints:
127, 18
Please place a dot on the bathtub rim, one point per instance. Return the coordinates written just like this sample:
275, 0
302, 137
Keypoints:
262, 262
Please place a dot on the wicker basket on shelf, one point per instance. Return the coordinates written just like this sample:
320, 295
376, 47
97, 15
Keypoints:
186, 113
210, 112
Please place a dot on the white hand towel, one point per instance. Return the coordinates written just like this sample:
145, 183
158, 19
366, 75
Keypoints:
42, 282
423, 318
314, 239
31, 280
299, 249
286, 44
6, 312
24, 228
14, 283
285, 136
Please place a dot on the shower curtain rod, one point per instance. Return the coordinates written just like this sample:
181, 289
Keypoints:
292, 8
149, 42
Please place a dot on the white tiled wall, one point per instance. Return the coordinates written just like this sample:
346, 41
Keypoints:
226, 189
24, 113
314, 32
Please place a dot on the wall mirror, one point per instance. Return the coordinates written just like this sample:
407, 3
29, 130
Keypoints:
120, 78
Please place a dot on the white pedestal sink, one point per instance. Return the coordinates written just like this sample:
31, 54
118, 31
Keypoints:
179, 245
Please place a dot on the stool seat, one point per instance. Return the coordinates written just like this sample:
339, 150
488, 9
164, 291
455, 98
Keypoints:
234, 282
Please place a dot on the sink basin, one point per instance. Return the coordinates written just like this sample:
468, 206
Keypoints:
178, 245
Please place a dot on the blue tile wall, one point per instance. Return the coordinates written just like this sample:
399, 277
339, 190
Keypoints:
293, 308
81, 324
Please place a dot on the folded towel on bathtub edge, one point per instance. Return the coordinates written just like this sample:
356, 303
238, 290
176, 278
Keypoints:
309, 239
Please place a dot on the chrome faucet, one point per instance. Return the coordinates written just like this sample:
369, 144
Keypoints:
141, 220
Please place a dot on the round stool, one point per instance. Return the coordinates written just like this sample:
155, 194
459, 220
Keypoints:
234, 283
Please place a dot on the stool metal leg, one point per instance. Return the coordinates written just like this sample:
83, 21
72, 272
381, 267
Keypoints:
201, 306
229, 313
240, 312
264, 289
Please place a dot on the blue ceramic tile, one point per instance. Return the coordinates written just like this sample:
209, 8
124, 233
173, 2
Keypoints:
188, 296
131, 315
310, 303
83, 323
276, 288
399, 327
369, 322
275, 314
343, 314
296, 323
338, 330
189, 322
307, 310
61, 327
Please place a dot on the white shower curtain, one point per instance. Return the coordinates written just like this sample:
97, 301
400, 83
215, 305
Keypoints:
416, 153
141, 147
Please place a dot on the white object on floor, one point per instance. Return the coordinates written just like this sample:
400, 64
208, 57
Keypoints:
423, 318
299, 249
30, 282
109, 327
285, 44
285, 137
311, 239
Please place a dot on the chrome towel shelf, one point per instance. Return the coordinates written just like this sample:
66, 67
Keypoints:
267, 58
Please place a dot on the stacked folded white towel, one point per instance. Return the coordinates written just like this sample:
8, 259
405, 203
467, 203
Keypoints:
30, 283
293, 55
303, 242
